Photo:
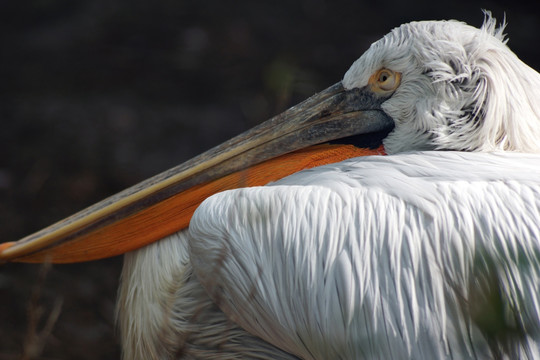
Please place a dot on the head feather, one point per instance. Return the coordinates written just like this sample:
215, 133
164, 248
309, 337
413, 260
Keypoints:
462, 89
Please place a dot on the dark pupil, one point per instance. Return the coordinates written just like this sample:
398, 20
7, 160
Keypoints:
383, 78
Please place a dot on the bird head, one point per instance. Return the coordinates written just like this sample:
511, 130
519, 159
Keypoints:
455, 87
432, 85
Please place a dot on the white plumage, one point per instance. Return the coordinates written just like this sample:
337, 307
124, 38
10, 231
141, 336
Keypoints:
462, 89
376, 257
415, 255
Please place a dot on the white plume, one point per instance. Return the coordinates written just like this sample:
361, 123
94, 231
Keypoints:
462, 88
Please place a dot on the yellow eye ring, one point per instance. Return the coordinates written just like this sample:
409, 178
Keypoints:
385, 81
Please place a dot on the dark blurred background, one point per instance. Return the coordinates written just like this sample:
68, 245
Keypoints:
97, 95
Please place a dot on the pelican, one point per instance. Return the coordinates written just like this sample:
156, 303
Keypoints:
429, 252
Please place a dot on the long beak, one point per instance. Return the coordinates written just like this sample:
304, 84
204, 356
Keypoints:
165, 203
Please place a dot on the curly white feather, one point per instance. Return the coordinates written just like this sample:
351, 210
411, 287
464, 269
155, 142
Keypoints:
462, 88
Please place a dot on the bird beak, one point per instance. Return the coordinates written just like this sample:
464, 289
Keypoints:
165, 203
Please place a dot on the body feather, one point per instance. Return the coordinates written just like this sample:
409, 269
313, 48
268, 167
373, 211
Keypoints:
342, 263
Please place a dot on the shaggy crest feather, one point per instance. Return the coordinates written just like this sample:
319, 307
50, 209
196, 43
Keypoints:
463, 89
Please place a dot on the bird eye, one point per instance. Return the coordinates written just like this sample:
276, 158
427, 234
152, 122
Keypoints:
384, 76
385, 80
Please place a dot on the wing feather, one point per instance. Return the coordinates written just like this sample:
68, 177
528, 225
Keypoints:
380, 257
